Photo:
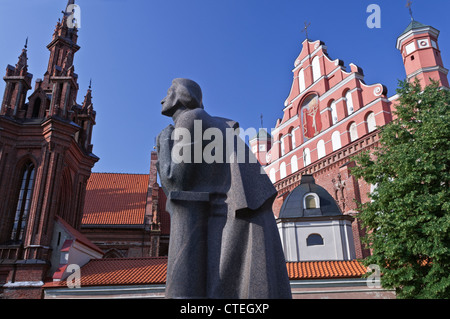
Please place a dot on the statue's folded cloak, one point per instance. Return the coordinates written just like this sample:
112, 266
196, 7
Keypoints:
224, 242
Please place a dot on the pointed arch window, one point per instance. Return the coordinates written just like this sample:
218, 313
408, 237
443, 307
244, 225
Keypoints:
294, 164
349, 100
336, 140
316, 69
306, 157
279, 147
23, 202
321, 149
371, 124
283, 146
272, 175
353, 131
283, 172
36, 107
293, 142
301, 80
334, 116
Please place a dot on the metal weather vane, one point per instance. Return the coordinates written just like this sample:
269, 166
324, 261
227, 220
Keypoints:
409, 6
305, 29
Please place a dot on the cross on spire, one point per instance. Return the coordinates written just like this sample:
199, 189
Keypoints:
409, 5
305, 29
261, 121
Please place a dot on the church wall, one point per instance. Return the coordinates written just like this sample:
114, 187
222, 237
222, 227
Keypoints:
22, 293
346, 288
329, 161
333, 172
124, 242
336, 234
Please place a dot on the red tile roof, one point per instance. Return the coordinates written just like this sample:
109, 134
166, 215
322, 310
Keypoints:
325, 269
115, 199
120, 271
135, 271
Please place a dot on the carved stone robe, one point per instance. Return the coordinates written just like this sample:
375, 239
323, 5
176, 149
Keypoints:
224, 242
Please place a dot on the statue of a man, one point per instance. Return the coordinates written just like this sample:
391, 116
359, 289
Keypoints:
224, 242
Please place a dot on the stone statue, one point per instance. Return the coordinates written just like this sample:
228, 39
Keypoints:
224, 242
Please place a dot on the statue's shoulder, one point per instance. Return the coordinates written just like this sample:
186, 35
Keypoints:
195, 114
228, 122
187, 118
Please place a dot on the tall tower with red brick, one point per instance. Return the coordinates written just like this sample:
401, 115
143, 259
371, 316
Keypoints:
421, 55
45, 160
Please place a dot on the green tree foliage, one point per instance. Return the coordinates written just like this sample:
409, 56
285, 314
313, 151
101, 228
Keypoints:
408, 219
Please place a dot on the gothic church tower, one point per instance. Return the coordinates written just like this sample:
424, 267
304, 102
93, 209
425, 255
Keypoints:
45, 158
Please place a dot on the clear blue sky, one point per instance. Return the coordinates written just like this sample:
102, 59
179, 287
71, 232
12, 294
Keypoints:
240, 51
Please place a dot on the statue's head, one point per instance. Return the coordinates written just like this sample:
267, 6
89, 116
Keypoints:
183, 93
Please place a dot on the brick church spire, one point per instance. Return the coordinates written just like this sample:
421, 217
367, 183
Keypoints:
18, 82
86, 118
45, 157
87, 103
60, 79
22, 64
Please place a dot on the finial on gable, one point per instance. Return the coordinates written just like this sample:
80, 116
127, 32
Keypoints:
305, 29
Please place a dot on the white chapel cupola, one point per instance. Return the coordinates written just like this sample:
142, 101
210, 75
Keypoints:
312, 227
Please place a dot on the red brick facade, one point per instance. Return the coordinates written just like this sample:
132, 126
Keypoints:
46, 154
45, 162
331, 115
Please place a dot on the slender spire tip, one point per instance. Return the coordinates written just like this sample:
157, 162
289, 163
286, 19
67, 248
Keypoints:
409, 6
